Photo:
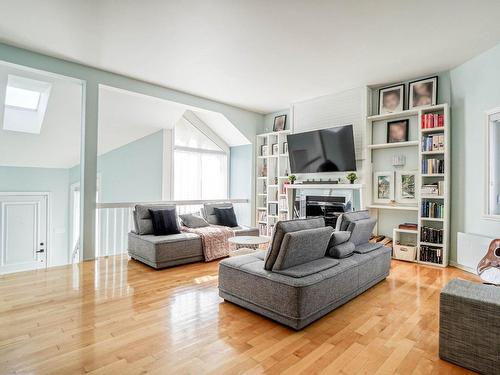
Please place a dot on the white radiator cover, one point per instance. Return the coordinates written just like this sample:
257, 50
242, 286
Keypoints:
471, 248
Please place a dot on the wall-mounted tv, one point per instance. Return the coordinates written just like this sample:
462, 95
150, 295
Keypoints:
325, 150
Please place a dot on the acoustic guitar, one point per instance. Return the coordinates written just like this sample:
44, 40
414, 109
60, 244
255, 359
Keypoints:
489, 267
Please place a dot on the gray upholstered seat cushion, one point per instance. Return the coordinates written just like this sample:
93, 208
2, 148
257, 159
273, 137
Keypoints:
209, 212
297, 301
171, 238
339, 237
302, 246
193, 221
367, 247
342, 250
242, 230
361, 231
288, 226
309, 268
143, 218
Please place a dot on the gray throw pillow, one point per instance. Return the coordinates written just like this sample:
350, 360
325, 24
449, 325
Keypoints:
339, 237
302, 246
361, 231
193, 221
287, 226
342, 250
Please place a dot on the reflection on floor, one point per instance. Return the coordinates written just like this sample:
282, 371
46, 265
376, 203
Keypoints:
115, 315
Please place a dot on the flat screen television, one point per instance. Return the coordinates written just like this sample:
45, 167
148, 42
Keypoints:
325, 150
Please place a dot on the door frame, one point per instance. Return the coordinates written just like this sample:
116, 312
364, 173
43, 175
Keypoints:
48, 235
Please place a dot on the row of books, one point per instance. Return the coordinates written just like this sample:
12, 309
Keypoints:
261, 215
433, 189
431, 254
432, 120
433, 142
432, 166
283, 203
432, 210
283, 216
263, 229
431, 235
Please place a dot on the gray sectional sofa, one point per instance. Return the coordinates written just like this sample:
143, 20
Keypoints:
175, 249
298, 280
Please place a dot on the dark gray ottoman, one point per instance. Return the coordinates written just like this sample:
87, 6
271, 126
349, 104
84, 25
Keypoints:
469, 332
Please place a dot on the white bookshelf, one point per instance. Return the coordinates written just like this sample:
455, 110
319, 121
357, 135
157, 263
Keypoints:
272, 172
378, 159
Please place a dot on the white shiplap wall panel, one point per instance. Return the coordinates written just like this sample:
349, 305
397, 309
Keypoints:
344, 108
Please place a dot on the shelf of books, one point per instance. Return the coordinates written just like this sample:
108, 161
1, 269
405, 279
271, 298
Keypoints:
272, 175
434, 158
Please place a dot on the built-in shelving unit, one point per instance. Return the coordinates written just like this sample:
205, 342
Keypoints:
272, 173
420, 153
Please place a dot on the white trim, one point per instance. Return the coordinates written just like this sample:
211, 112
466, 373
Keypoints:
192, 119
462, 267
174, 203
487, 165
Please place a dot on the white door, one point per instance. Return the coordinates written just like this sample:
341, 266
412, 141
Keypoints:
23, 232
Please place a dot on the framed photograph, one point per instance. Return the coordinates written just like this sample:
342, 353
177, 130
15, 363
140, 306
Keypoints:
263, 150
423, 92
279, 123
275, 149
391, 99
406, 187
397, 131
285, 147
383, 187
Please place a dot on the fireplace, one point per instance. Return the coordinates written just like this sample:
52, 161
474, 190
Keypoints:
329, 207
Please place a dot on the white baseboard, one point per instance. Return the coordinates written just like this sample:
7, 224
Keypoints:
462, 267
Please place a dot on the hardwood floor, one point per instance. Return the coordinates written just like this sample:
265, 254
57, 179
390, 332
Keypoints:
117, 316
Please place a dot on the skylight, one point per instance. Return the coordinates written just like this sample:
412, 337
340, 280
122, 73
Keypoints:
26, 102
21, 98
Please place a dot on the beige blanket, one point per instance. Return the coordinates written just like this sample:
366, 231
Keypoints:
213, 240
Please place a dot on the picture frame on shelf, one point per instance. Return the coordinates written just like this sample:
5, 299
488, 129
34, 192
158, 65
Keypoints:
397, 131
391, 99
423, 92
279, 123
264, 150
384, 187
407, 187
285, 147
275, 149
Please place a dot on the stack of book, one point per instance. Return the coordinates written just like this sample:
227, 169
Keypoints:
432, 210
432, 166
433, 189
431, 235
433, 142
431, 254
432, 120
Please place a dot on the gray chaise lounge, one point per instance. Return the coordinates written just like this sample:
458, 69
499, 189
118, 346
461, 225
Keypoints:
172, 250
294, 283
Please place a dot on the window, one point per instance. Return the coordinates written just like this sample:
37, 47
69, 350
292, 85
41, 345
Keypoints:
21, 98
200, 165
26, 102
493, 164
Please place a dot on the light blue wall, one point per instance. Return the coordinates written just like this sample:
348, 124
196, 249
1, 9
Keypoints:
475, 88
56, 182
240, 180
131, 173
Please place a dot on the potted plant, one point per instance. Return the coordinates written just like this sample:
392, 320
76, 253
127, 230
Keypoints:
351, 177
292, 178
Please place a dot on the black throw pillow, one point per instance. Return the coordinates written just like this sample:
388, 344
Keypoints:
226, 217
164, 222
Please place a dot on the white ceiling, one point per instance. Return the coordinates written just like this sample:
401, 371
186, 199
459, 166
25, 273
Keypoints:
260, 54
123, 118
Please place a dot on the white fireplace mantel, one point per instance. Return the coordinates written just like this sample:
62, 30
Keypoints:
290, 188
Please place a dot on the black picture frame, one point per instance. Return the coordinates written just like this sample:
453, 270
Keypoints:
277, 126
401, 87
405, 123
434, 96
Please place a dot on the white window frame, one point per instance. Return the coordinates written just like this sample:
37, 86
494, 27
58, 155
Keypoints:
486, 213
205, 130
